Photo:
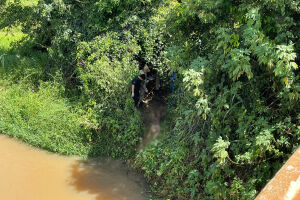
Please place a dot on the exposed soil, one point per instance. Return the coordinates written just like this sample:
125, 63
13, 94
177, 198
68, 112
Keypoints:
153, 111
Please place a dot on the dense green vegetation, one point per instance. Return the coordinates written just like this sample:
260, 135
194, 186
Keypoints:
42, 119
232, 121
236, 114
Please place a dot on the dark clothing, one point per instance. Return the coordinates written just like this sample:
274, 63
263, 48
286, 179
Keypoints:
137, 85
137, 82
136, 99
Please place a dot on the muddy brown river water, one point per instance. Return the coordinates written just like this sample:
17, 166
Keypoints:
28, 173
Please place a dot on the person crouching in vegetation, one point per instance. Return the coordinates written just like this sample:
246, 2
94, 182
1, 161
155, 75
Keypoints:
135, 88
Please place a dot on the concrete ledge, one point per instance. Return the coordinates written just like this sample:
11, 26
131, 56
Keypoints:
285, 185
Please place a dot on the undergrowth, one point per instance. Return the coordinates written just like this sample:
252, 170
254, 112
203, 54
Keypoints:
42, 119
34, 110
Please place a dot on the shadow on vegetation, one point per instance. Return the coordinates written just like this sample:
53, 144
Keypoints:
107, 179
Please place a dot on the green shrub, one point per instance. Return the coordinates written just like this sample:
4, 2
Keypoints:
105, 69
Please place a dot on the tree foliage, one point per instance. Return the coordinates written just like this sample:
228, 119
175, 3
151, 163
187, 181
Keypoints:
237, 109
234, 116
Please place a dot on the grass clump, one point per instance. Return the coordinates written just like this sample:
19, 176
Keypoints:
42, 119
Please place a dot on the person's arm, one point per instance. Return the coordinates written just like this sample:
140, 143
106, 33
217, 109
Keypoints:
145, 88
132, 90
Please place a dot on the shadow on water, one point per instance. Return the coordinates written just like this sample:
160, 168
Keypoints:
107, 179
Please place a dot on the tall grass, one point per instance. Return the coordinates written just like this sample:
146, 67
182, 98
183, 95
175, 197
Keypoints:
42, 119
32, 108
17, 62
8, 37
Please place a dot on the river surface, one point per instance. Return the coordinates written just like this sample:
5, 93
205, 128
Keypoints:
27, 173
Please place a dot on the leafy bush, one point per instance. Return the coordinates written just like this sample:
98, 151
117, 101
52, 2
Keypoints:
105, 70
